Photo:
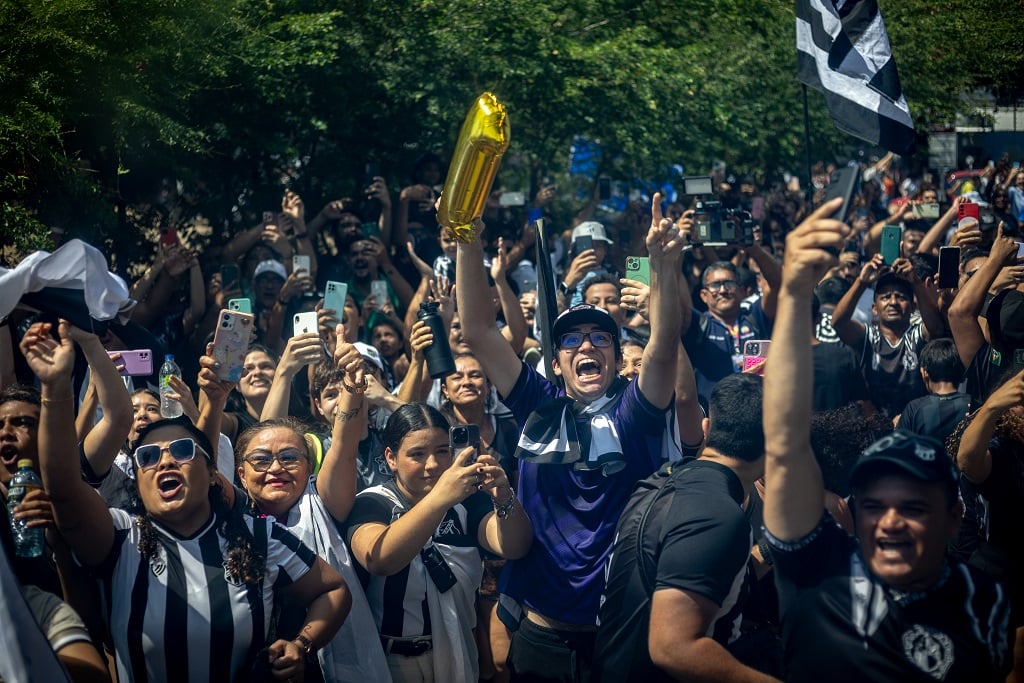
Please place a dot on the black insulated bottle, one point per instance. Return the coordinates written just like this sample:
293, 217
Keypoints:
439, 353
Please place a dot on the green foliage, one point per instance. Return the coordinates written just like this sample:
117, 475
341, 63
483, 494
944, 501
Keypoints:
109, 107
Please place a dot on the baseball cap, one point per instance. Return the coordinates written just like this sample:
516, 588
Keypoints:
921, 457
270, 266
370, 353
583, 314
891, 280
591, 228
1005, 316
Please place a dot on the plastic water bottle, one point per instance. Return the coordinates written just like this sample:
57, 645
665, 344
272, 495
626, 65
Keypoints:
28, 542
169, 407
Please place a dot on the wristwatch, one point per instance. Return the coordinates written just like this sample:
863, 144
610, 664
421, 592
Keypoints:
563, 288
305, 643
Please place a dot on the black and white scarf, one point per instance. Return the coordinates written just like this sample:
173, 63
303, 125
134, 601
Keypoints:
552, 436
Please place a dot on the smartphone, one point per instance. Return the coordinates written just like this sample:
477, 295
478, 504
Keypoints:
137, 363
1020, 251
892, 235
582, 243
379, 290
334, 297
949, 267
460, 436
301, 262
269, 218
168, 235
604, 188
243, 305
230, 343
929, 210
638, 268
843, 183
371, 171
754, 353
305, 322
968, 210
229, 276
511, 199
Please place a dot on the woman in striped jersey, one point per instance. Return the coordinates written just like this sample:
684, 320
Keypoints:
189, 585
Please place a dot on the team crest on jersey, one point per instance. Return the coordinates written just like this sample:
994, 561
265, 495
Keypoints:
158, 563
230, 577
931, 651
382, 466
447, 528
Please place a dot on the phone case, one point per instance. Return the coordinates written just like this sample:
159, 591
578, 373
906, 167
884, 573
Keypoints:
892, 235
638, 268
230, 343
379, 289
300, 262
243, 305
137, 363
335, 294
305, 322
949, 267
754, 356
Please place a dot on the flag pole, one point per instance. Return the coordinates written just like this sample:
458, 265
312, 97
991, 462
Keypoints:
807, 147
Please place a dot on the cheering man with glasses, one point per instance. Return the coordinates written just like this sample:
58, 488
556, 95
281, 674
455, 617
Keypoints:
580, 454
714, 339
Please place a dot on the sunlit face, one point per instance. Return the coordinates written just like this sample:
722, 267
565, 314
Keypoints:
259, 375
145, 409
362, 257
930, 197
176, 494
455, 338
588, 370
721, 293
606, 295
448, 245
893, 306
903, 525
275, 491
468, 385
19, 432
632, 358
422, 457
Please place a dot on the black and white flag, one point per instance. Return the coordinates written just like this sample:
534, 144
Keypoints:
843, 51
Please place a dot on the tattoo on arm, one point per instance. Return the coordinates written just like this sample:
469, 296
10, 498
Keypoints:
346, 415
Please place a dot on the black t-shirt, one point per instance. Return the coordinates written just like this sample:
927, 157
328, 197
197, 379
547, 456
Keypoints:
840, 623
837, 377
984, 372
934, 415
701, 545
1001, 519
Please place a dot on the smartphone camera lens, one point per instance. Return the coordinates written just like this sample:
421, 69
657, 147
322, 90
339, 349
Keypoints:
459, 435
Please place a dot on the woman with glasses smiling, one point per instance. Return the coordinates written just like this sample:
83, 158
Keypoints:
189, 583
276, 468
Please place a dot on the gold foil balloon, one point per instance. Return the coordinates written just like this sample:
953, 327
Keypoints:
483, 139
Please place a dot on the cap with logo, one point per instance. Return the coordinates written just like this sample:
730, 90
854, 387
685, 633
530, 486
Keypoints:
921, 457
270, 266
592, 229
584, 314
371, 354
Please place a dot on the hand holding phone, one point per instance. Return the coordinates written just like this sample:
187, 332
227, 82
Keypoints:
892, 237
230, 343
461, 436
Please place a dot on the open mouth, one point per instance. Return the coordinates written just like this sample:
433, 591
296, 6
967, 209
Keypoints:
588, 369
169, 485
889, 546
9, 455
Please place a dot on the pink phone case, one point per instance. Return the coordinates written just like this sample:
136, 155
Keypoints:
137, 363
230, 343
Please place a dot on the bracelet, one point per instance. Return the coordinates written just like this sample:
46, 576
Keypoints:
306, 643
354, 388
49, 401
505, 510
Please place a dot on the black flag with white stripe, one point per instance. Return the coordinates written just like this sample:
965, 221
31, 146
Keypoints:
843, 51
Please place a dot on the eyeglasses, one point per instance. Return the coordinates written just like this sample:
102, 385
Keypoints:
182, 450
574, 340
727, 285
288, 458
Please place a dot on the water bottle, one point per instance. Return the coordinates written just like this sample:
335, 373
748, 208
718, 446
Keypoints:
169, 407
439, 353
27, 542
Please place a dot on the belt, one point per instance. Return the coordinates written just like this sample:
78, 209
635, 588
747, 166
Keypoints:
556, 625
407, 647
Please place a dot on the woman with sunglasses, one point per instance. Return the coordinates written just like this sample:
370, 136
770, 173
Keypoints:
419, 537
276, 469
190, 584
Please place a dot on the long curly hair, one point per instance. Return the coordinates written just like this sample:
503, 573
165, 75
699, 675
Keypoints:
241, 560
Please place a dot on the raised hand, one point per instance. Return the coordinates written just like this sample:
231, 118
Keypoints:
49, 359
300, 351
664, 239
811, 249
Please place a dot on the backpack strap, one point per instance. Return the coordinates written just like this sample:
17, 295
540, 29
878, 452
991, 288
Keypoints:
645, 575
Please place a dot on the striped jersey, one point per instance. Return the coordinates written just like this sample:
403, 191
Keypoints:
179, 616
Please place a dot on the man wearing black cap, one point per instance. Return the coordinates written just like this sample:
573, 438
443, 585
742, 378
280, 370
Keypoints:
889, 348
580, 454
887, 605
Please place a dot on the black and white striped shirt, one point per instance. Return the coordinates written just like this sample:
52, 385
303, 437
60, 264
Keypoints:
179, 617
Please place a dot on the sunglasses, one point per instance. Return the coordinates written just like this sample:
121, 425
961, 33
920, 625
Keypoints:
574, 340
182, 450
289, 459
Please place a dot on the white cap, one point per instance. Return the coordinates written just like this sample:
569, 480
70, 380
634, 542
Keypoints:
370, 353
591, 228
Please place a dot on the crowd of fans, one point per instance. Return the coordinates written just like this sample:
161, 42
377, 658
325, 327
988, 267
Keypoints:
791, 457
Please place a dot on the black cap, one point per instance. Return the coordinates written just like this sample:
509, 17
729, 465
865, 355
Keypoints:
921, 457
582, 314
